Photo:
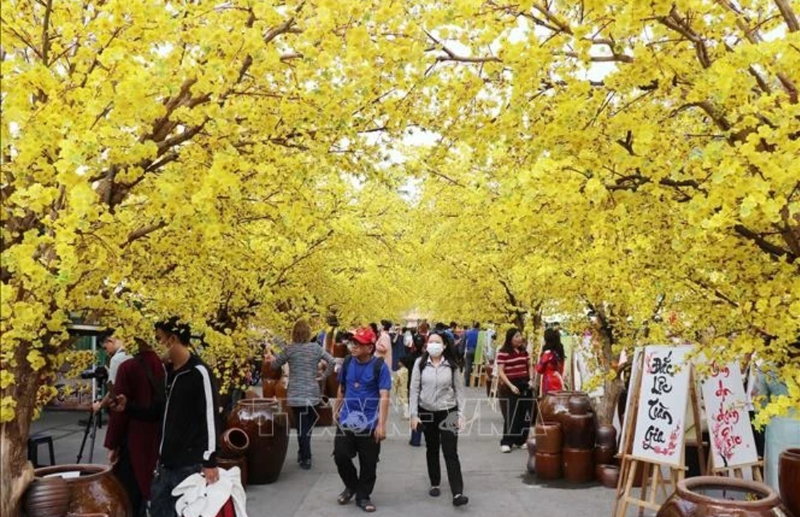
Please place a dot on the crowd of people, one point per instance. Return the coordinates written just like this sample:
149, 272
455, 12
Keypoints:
165, 410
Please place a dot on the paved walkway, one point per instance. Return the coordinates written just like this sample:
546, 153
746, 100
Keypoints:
497, 484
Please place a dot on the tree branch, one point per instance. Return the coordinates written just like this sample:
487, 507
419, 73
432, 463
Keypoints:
142, 232
774, 250
788, 15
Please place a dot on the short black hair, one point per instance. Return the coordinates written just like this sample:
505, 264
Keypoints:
175, 327
386, 324
107, 333
453, 325
476, 325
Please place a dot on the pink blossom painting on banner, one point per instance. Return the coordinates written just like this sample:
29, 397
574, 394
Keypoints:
732, 442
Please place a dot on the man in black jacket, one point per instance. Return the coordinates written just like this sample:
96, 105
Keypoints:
189, 437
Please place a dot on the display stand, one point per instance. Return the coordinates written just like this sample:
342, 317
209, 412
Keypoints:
655, 484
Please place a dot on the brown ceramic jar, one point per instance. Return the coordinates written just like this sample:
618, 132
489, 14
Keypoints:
715, 495
549, 437
579, 404
324, 413
47, 497
234, 443
96, 490
579, 431
267, 427
578, 465
604, 455
548, 466
789, 479
606, 435
554, 405
268, 373
608, 475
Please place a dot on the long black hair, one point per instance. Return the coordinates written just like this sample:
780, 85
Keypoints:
507, 346
552, 341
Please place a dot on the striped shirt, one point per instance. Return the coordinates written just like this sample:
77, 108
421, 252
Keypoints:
303, 359
515, 364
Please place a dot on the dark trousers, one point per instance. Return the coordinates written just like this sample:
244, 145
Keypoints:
515, 418
124, 473
306, 418
468, 367
441, 431
346, 446
162, 502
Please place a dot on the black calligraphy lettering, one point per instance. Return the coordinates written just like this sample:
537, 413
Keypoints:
663, 366
659, 411
660, 385
653, 434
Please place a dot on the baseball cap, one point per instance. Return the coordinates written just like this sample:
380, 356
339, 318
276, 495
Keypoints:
365, 336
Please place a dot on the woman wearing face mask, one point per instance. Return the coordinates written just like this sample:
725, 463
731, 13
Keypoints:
436, 405
515, 372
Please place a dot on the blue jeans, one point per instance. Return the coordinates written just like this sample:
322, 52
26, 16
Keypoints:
162, 502
306, 418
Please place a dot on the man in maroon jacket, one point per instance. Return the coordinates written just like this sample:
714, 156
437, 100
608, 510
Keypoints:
132, 442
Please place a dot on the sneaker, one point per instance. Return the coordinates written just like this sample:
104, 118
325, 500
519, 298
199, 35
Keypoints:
305, 464
505, 449
460, 500
434, 491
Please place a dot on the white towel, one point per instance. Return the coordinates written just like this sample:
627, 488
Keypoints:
197, 499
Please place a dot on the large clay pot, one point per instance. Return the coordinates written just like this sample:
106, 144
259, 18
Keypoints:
268, 373
229, 463
549, 437
555, 405
47, 497
548, 466
96, 490
604, 455
606, 435
578, 465
234, 442
789, 479
715, 495
608, 475
268, 388
267, 427
579, 404
578, 431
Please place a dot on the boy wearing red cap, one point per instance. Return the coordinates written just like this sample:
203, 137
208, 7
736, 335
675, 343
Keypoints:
362, 406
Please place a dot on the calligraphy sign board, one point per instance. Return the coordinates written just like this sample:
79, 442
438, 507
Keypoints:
732, 441
635, 376
660, 425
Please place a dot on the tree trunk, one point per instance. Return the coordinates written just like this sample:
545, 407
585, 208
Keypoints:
16, 472
608, 404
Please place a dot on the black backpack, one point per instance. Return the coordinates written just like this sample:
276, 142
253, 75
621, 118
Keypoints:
376, 373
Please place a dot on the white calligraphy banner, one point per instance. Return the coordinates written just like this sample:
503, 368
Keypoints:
732, 441
663, 398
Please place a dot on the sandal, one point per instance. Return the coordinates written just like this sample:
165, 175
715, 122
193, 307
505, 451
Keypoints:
366, 505
345, 496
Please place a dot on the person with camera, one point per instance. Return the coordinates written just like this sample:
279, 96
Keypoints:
132, 442
116, 351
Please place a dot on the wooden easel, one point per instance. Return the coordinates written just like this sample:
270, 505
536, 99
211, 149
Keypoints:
737, 471
653, 476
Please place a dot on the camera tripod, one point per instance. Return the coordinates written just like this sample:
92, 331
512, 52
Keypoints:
95, 422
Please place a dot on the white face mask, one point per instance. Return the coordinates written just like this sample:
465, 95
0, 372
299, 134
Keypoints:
435, 349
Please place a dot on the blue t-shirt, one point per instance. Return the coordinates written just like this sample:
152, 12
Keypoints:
472, 339
362, 394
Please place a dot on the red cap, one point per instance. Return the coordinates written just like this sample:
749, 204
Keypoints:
365, 336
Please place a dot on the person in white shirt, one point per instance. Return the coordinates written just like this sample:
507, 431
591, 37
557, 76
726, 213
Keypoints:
115, 349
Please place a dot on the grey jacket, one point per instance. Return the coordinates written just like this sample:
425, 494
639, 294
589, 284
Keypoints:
303, 359
433, 389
